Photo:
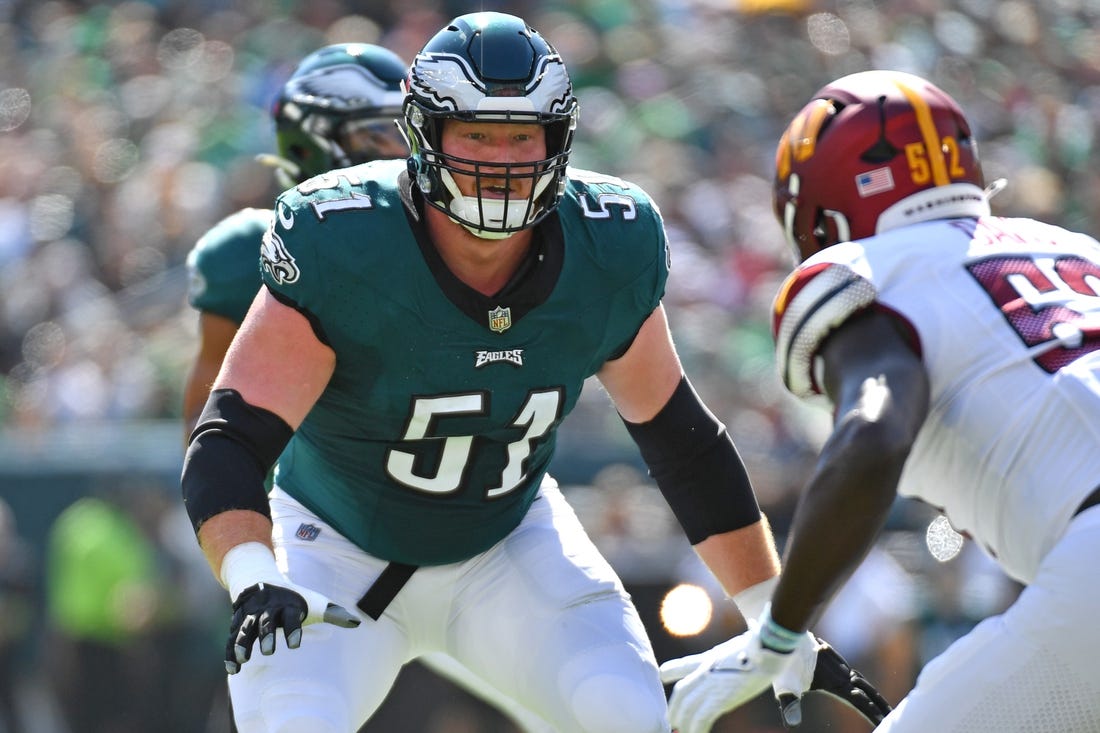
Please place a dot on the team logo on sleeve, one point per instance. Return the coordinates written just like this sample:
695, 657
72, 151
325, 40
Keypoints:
500, 319
277, 261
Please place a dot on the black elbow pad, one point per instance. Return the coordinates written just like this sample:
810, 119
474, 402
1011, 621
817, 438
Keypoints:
696, 466
228, 457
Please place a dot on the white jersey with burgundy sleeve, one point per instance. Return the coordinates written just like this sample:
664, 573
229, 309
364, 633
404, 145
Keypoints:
1006, 316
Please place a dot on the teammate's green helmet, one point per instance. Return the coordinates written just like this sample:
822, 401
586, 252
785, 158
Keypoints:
339, 108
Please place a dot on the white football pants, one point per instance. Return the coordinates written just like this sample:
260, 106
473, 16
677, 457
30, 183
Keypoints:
540, 620
1033, 669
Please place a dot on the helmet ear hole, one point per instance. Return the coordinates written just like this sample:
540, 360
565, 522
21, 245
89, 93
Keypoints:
822, 237
830, 227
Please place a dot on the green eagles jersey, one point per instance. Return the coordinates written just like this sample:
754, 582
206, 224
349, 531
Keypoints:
224, 265
429, 442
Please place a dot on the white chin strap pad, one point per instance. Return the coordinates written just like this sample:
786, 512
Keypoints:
492, 212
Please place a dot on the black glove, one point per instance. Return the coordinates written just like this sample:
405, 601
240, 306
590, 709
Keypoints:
834, 676
262, 608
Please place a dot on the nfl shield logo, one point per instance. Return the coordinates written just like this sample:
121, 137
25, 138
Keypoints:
308, 532
500, 319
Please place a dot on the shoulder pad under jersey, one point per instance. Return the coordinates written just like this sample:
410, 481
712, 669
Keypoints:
812, 302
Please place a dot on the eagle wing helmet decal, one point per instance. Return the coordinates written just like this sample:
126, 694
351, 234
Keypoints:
448, 80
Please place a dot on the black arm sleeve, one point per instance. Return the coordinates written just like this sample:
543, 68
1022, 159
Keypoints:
696, 466
228, 457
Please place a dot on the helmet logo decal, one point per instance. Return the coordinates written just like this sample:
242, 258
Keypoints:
276, 260
451, 84
500, 319
876, 181
800, 139
343, 88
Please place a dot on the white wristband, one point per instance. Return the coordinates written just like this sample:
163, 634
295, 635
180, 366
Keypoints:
247, 564
751, 601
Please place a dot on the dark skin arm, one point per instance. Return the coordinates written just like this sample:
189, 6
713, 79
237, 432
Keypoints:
881, 392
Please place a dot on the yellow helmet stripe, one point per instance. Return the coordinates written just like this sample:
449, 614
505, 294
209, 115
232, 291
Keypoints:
927, 127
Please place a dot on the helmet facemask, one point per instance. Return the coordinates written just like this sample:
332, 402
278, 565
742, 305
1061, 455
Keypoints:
490, 218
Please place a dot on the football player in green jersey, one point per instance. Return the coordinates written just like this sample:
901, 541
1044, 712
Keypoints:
338, 108
423, 329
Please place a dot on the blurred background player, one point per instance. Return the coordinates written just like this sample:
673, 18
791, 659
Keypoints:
960, 353
339, 108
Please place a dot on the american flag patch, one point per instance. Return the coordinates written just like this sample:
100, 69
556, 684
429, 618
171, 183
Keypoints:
876, 181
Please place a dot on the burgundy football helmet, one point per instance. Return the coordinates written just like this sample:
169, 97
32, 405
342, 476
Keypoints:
872, 151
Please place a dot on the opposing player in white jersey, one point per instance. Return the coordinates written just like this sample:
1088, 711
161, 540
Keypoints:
960, 354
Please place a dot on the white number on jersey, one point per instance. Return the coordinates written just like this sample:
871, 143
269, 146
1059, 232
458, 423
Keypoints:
538, 414
1053, 303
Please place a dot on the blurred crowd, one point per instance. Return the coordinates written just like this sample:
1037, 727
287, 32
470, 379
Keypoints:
127, 128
